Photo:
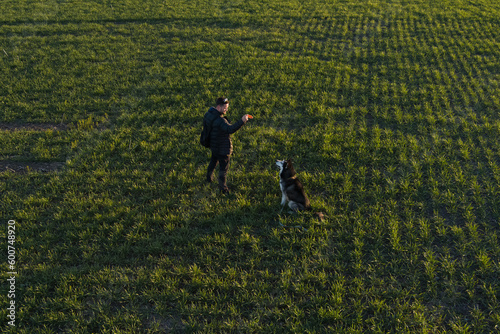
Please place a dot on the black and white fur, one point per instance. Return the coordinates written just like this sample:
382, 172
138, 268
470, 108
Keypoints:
291, 189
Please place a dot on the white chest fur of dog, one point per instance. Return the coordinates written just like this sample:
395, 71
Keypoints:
291, 189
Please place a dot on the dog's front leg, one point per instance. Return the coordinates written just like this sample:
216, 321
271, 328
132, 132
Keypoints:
283, 199
283, 194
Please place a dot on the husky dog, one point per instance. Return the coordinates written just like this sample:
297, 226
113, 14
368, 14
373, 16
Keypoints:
291, 188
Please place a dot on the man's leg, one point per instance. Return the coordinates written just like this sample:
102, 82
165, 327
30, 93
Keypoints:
223, 168
211, 167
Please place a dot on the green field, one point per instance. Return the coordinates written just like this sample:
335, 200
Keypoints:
390, 110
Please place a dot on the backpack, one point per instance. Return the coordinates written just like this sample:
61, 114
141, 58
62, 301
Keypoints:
205, 133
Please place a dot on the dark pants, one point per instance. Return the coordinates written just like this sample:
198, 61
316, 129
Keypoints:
223, 161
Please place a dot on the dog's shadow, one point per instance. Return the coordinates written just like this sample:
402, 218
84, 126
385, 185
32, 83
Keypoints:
301, 220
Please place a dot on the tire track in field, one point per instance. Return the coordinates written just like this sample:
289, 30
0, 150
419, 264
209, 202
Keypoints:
37, 157
21, 164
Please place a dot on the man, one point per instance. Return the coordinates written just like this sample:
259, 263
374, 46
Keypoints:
220, 140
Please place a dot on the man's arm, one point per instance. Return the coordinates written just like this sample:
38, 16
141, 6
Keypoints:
230, 128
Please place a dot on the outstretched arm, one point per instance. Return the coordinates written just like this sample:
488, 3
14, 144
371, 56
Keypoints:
231, 128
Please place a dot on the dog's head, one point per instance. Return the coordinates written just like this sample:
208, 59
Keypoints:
281, 164
286, 167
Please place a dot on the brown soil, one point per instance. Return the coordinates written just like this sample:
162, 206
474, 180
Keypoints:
32, 126
24, 167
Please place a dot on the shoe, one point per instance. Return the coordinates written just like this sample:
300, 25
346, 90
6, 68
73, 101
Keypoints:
225, 191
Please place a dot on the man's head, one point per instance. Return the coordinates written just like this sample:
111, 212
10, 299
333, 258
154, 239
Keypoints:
222, 104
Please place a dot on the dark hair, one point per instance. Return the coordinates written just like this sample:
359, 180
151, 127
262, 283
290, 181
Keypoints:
222, 100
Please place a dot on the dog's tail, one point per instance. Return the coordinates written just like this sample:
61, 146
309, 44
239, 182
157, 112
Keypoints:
319, 216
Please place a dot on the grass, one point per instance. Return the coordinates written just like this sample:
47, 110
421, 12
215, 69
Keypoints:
389, 110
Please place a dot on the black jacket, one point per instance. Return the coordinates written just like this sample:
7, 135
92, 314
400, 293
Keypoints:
220, 141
